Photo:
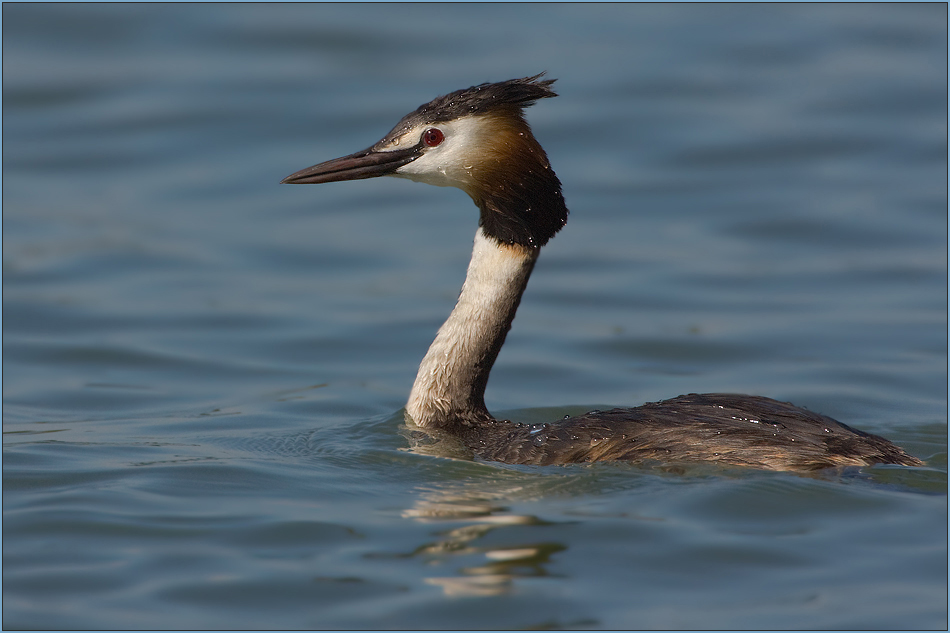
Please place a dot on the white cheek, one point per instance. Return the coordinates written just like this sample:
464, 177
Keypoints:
438, 166
449, 164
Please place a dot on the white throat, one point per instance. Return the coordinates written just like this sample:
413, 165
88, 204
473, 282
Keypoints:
450, 386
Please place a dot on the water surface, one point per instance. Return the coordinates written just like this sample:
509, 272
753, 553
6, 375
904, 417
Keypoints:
204, 371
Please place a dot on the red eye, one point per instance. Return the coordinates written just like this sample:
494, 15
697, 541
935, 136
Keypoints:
433, 136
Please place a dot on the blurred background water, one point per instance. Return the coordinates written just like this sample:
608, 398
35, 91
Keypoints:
204, 371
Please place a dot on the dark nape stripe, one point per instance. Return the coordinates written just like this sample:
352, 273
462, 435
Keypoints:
528, 215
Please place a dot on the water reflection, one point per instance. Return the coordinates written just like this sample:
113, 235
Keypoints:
474, 507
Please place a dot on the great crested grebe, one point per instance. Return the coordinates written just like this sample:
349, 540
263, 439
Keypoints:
478, 140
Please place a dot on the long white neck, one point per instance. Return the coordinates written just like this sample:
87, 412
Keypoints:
450, 386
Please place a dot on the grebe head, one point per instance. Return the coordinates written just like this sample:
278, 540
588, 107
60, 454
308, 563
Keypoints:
478, 141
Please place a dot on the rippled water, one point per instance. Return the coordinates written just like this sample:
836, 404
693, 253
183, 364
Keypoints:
204, 371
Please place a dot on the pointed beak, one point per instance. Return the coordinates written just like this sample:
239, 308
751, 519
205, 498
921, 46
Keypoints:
369, 163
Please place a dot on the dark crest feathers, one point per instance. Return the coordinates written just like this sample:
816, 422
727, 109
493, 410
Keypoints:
485, 97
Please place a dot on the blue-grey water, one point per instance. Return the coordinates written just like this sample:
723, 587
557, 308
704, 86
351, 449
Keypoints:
204, 371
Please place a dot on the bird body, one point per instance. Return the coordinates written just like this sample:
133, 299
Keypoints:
478, 140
